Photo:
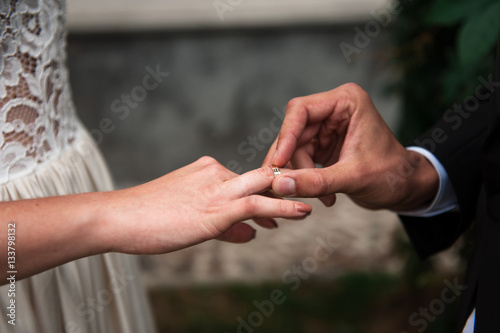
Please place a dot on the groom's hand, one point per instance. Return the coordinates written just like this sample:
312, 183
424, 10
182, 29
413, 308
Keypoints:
343, 132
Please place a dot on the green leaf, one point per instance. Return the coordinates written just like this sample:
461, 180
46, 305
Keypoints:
450, 12
479, 35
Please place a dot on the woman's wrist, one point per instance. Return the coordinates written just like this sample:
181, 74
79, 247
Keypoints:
102, 221
86, 214
55, 230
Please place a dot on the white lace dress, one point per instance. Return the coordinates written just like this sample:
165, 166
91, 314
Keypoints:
45, 151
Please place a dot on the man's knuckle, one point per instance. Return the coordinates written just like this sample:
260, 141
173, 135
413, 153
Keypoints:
353, 88
293, 103
320, 184
354, 91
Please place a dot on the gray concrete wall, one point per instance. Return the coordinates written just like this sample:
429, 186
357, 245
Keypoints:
219, 96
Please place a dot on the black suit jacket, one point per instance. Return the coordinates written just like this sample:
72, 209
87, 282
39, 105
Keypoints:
471, 157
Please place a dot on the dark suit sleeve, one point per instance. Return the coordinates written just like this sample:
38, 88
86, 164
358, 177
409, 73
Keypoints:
464, 134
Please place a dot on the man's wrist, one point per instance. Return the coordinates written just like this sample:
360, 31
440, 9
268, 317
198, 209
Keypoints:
423, 183
444, 199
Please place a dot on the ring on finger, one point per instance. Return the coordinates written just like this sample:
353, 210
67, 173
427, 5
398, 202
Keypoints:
276, 171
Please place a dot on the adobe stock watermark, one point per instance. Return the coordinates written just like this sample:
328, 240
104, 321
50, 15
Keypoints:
420, 319
293, 278
224, 6
372, 29
92, 305
127, 101
258, 142
250, 148
454, 116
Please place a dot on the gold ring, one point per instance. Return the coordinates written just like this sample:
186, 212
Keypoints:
276, 171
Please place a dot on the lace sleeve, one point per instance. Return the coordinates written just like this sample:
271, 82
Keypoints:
37, 118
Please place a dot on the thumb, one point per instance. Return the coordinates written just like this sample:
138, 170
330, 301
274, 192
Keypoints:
312, 183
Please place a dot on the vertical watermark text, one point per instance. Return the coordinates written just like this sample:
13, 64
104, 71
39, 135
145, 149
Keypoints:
11, 272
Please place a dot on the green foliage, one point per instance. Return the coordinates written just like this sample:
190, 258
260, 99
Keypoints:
479, 34
450, 12
442, 47
355, 303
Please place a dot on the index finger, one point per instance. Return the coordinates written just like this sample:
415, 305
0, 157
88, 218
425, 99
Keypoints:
313, 109
268, 161
295, 121
300, 113
251, 182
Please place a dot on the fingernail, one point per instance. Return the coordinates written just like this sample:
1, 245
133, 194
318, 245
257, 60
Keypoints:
303, 208
254, 234
284, 186
272, 224
274, 156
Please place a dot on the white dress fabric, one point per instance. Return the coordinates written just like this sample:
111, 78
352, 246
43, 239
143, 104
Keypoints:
45, 151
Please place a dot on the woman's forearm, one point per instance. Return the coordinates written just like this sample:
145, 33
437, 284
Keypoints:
198, 202
49, 232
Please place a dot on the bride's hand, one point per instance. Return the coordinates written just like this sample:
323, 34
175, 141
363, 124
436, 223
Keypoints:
198, 202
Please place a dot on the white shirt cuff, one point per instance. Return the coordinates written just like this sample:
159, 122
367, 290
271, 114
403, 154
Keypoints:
445, 200
469, 326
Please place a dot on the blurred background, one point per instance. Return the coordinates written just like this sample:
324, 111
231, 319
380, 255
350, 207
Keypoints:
161, 83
